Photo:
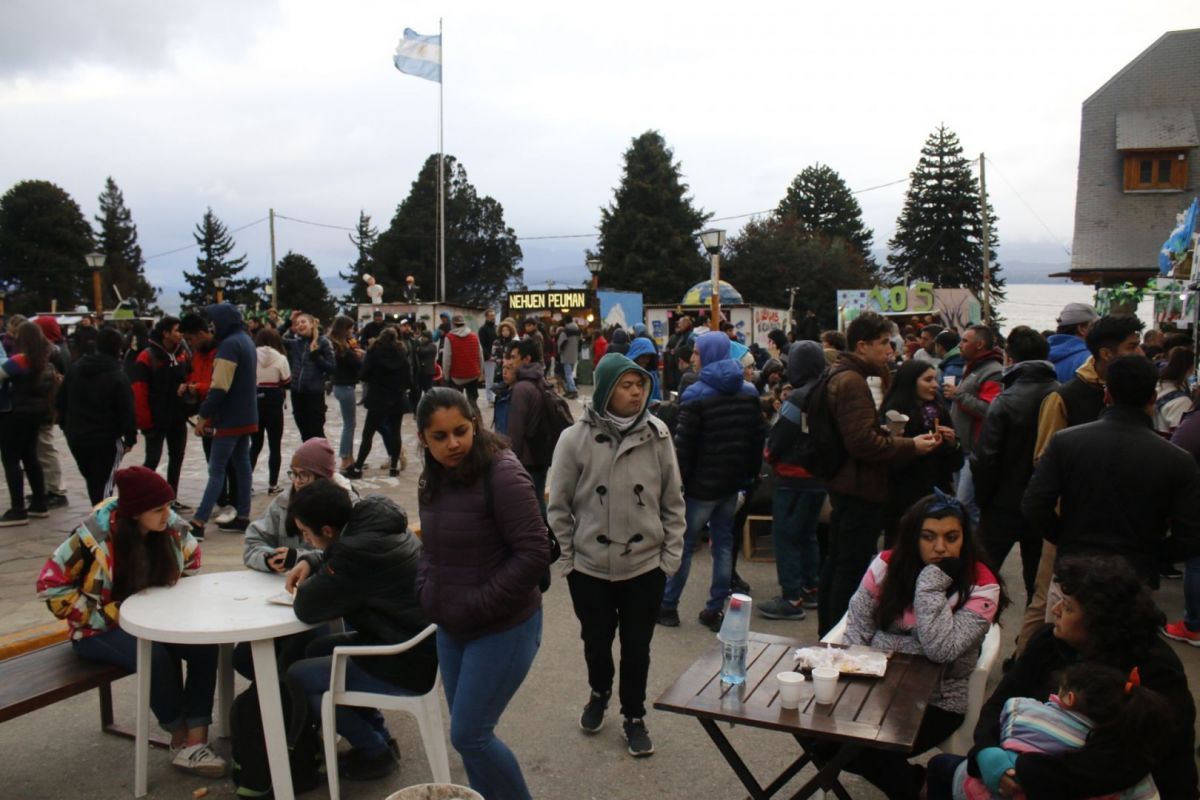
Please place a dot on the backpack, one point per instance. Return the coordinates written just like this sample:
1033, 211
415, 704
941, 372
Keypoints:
555, 418
823, 452
251, 770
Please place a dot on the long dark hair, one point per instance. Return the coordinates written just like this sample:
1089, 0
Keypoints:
486, 445
1120, 617
1128, 718
140, 561
339, 332
388, 341
900, 583
1180, 361
902, 395
33, 343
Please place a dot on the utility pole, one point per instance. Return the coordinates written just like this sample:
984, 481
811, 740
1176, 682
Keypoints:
987, 250
274, 277
791, 305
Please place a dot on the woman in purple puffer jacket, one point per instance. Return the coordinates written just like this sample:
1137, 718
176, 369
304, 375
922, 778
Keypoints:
485, 549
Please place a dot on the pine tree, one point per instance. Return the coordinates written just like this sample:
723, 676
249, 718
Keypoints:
43, 240
939, 233
824, 205
301, 287
773, 254
482, 253
123, 262
213, 261
363, 239
648, 234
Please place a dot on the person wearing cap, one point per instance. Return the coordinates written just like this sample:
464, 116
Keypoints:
129, 543
444, 327
462, 360
1068, 346
616, 505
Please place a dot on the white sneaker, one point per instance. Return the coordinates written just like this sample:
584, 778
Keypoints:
198, 759
225, 515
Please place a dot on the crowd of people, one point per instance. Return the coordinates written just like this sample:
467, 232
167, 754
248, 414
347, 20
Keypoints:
900, 467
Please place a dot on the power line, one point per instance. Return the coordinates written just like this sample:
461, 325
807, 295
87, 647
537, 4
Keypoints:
316, 224
1029, 208
195, 245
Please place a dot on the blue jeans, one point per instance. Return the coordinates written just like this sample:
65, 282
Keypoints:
481, 676
1191, 593
227, 450
794, 516
176, 702
718, 516
966, 492
346, 401
363, 727
569, 377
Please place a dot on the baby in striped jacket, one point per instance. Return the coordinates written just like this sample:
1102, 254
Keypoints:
1095, 701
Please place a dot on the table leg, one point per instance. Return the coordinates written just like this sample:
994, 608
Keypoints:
225, 689
141, 750
827, 777
735, 761
267, 676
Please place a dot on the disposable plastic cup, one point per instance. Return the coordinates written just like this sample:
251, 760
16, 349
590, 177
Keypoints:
791, 684
950, 380
825, 680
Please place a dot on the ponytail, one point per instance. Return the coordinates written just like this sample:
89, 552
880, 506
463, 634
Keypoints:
1127, 716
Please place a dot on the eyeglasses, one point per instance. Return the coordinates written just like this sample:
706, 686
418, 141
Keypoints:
299, 474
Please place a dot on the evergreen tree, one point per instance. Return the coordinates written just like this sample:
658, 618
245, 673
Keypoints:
939, 233
772, 254
482, 253
824, 205
123, 262
363, 239
301, 287
648, 234
213, 261
43, 240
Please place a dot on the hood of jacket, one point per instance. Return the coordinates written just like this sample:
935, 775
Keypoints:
533, 371
805, 363
642, 346
639, 329
377, 525
986, 357
725, 376
511, 324
610, 368
461, 330
619, 337
95, 364
225, 319
270, 357
1065, 345
712, 347
1029, 371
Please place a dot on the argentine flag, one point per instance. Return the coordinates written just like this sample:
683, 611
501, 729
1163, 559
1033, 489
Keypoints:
1180, 240
419, 55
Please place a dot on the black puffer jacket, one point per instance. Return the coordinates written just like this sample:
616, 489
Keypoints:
1002, 460
719, 440
388, 376
95, 403
368, 576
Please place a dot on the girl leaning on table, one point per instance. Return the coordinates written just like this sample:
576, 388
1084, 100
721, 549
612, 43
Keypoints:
127, 544
933, 596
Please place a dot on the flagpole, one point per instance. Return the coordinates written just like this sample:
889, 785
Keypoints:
441, 179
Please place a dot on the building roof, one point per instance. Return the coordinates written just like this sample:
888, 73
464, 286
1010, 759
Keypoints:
1156, 128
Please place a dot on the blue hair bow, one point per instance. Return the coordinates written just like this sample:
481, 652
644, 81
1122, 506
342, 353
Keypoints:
945, 502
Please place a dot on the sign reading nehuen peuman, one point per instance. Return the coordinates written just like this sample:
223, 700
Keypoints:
550, 301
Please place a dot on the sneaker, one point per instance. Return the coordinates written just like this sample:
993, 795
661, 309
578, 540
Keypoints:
197, 529
274, 489
781, 608
359, 767
394, 472
738, 586
14, 517
53, 500
354, 472
592, 718
639, 740
1179, 632
198, 759
224, 515
1170, 572
808, 598
181, 508
40, 511
668, 617
235, 525
711, 620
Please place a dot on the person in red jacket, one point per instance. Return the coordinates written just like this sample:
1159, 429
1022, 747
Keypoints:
160, 376
462, 361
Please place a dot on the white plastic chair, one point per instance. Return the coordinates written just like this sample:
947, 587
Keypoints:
959, 742
427, 708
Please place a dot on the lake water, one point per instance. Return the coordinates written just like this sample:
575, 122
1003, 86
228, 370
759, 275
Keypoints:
1038, 304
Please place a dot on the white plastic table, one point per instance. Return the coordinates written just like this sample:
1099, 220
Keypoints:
220, 608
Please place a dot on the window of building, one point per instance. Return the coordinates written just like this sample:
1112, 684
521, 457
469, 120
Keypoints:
1149, 171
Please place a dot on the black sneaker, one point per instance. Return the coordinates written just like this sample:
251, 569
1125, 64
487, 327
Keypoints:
354, 472
592, 718
197, 530
808, 598
739, 586
781, 608
358, 767
274, 489
235, 525
640, 745
56, 500
40, 511
14, 517
181, 508
711, 620
668, 617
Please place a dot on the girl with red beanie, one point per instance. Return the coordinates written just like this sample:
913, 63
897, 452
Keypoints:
129, 543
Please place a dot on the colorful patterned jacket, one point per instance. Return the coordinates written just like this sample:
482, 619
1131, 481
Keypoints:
77, 581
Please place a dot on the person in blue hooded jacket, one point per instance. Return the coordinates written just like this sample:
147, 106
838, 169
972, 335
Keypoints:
643, 353
719, 442
229, 414
1068, 347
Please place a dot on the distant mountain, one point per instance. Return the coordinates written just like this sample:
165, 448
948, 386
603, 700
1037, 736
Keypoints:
1032, 272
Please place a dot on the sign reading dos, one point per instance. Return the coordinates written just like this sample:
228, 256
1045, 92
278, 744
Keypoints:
547, 301
915, 299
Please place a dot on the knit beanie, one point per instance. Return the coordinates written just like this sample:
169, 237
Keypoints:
50, 329
315, 456
140, 489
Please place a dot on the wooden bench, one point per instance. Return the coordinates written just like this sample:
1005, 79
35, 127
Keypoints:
38, 667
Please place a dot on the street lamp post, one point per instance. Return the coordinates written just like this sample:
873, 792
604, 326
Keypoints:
220, 284
594, 266
95, 262
713, 240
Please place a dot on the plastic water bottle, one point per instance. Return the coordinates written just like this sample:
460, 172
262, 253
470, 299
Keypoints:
735, 631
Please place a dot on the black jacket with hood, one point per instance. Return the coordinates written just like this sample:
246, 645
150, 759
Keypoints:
95, 403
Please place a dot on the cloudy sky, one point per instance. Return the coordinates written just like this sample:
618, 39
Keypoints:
246, 105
